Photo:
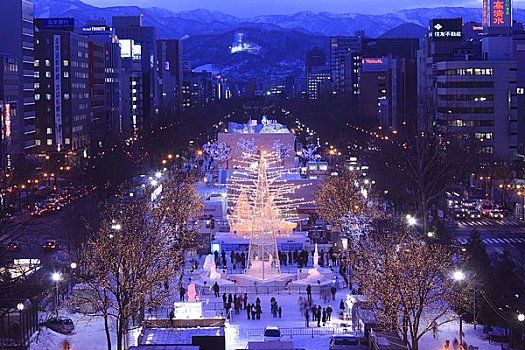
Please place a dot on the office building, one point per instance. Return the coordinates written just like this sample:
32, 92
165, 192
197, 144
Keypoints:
9, 92
107, 126
344, 57
62, 88
318, 75
130, 29
17, 42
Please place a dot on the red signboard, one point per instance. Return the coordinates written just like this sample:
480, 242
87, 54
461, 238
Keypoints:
7, 120
485, 15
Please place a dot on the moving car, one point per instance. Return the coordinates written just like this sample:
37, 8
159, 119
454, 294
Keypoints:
474, 214
459, 214
345, 342
496, 214
50, 245
61, 325
13, 246
272, 333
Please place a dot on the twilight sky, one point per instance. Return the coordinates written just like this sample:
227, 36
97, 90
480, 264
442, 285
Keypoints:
248, 8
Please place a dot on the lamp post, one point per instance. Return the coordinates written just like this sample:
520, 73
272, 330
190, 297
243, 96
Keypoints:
56, 276
521, 317
20, 307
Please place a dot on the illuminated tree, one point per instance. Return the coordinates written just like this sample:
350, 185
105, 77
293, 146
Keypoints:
408, 280
341, 202
281, 149
138, 249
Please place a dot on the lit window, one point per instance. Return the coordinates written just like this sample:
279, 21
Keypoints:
38, 142
37, 63
66, 74
49, 142
48, 64
66, 96
65, 63
49, 131
48, 74
37, 97
48, 97
67, 141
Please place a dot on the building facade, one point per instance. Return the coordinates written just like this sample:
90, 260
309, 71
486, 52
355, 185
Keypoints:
62, 91
17, 41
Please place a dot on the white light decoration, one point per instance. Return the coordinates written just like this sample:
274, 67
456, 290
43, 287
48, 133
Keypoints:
458, 275
263, 209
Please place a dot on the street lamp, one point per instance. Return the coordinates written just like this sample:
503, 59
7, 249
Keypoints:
521, 317
459, 276
56, 276
411, 221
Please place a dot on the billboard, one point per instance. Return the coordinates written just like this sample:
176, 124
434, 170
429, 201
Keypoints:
128, 49
497, 13
446, 29
54, 23
57, 75
6, 122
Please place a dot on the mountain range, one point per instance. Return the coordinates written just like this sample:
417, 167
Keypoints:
284, 39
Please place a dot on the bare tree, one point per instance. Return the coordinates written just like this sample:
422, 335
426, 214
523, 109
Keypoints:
407, 279
138, 248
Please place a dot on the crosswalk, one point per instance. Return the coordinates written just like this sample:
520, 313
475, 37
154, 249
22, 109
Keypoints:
487, 222
491, 241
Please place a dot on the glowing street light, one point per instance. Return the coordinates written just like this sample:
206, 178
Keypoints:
158, 174
73, 265
458, 275
154, 182
521, 317
411, 221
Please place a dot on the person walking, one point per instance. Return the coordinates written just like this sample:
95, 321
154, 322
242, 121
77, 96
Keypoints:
253, 311
329, 313
224, 299
248, 311
182, 292
280, 311
341, 308
307, 318
245, 300
309, 292
318, 317
323, 317
216, 289
333, 290
230, 298
258, 311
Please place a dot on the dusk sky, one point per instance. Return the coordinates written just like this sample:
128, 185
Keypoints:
247, 8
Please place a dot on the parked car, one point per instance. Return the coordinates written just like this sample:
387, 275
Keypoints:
50, 245
272, 333
13, 246
61, 325
345, 342
474, 214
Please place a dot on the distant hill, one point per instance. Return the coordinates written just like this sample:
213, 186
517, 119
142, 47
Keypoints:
406, 30
283, 39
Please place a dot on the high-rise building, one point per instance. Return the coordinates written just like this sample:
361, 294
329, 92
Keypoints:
144, 51
17, 41
62, 89
471, 84
9, 91
344, 57
169, 56
107, 129
399, 58
318, 75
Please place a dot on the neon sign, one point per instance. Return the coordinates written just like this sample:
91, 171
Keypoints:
497, 13
373, 61
7, 120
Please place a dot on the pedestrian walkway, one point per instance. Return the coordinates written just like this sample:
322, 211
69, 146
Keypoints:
493, 241
489, 222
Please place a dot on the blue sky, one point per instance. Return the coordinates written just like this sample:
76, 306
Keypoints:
247, 8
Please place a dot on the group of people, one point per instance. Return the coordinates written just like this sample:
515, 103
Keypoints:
318, 314
236, 259
276, 309
233, 301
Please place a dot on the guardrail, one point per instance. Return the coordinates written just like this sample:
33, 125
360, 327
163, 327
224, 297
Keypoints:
304, 331
272, 289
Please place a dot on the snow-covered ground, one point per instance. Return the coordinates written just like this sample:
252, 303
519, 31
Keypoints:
89, 332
